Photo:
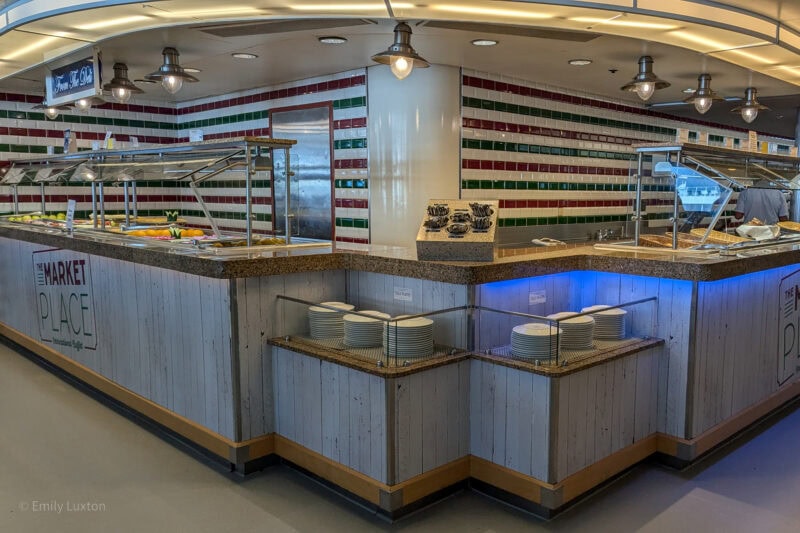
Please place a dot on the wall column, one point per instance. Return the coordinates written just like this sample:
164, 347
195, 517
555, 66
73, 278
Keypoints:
414, 147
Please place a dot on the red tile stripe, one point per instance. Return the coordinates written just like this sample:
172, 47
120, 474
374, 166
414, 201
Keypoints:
484, 164
275, 94
352, 203
511, 127
352, 239
348, 123
350, 163
481, 83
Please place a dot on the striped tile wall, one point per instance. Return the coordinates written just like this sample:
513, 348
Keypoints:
553, 157
247, 113
24, 132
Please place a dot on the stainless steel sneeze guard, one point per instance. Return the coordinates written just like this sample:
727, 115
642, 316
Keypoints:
194, 163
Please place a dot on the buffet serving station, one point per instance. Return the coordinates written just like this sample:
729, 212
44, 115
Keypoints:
399, 380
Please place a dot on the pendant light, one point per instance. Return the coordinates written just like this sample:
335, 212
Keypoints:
401, 56
703, 97
750, 108
170, 73
120, 86
50, 111
645, 83
85, 104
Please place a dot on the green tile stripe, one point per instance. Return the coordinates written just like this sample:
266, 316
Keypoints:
492, 105
351, 184
559, 186
502, 146
28, 149
347, 103
258, 217
361, 223
86, 119
227, 119
549, 221
345, 144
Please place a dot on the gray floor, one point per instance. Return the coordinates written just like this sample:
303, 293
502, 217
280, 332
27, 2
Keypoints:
70, 464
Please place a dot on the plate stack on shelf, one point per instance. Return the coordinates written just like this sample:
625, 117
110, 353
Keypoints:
609, 323
327, 323
364, 332
535, 341
578, 331
409, 338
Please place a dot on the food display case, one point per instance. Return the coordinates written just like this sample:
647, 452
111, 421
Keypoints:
246, 160
703, 181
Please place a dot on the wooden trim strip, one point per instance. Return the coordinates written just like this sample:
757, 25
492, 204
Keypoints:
509, 480
217, 444
593, 475
423, 485
351, 480
689, 449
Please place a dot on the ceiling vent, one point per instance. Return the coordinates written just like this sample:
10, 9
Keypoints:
521, 31
246, 29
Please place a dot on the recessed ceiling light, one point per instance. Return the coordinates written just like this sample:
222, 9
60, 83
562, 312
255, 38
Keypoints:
243, 55
191, 70
142, 80
332, 39
579, 62
688, 90
484, 42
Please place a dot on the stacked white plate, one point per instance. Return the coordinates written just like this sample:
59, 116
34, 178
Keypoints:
409, 338
535, 341
578, 331
327, 323
609, 323
364, 332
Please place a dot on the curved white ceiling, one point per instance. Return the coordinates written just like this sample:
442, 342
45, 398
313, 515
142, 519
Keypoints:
763, 35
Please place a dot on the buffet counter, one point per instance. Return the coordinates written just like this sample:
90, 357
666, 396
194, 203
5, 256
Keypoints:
216, 349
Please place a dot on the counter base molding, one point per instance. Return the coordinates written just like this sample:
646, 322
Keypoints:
241, 456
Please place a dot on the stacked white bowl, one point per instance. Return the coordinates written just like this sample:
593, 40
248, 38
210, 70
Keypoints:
327, 323
609, 323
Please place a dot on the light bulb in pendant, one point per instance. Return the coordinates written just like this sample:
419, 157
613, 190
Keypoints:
702, 104
401, 67
749, 114
51, 113
121, 94
645, 90
84, 104
172, 84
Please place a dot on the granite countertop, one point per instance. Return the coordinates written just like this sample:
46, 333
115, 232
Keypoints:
511, 263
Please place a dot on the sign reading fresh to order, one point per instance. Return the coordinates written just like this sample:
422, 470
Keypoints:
789, 328
64, 299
